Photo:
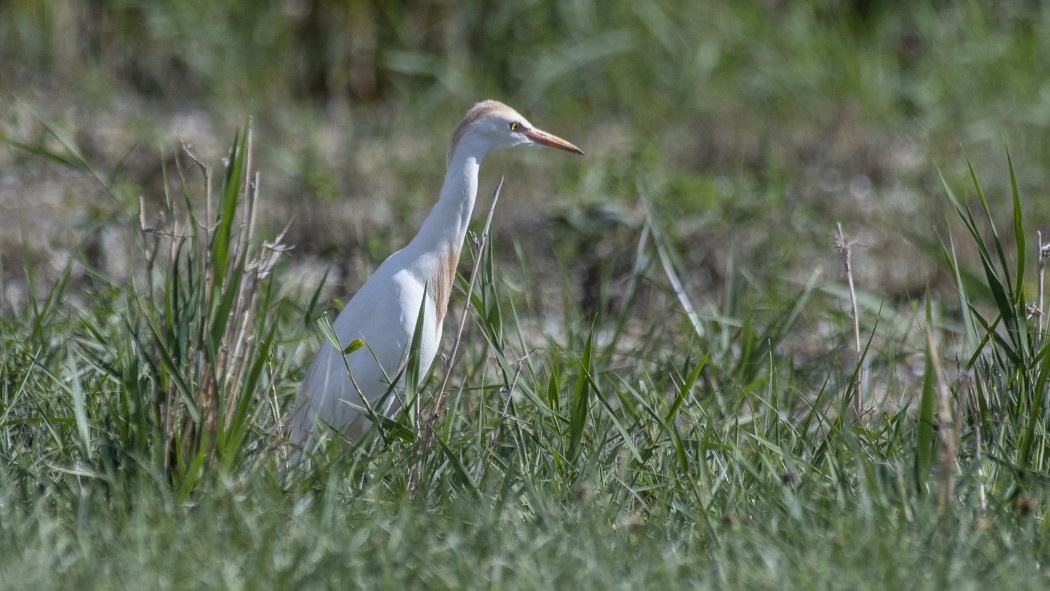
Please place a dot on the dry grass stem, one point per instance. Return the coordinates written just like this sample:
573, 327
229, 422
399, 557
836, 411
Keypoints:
439, 398
948, 426
846, 252
668, 266
975, 409
222, 372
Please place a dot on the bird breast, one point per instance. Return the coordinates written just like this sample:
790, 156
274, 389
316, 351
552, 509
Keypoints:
443, 278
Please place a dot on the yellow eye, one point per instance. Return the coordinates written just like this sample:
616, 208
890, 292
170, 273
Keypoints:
514, 126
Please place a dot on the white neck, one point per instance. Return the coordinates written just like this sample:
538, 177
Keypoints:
446, 225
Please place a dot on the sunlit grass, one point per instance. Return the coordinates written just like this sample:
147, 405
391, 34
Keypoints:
700, 451
659, 361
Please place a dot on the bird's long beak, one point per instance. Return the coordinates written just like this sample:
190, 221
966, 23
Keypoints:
552, 141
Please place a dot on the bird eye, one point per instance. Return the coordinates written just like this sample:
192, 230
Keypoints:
514, 126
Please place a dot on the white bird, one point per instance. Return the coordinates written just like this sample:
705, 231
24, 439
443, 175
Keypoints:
384, 312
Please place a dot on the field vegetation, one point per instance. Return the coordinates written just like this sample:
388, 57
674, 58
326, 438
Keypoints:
780, 328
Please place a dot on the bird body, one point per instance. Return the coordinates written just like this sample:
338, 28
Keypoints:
383, 314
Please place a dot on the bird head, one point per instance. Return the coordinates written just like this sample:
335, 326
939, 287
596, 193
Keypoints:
491, 125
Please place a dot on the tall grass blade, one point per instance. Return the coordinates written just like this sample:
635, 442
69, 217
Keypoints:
220, 245
580, 401
1019, 239
80, 414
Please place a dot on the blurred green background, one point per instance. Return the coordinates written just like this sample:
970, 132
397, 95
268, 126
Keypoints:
750, 126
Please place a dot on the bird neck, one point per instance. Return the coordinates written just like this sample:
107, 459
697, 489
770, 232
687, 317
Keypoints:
445, 227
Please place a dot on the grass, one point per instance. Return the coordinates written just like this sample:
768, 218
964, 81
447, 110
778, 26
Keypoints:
142, 427
656, 382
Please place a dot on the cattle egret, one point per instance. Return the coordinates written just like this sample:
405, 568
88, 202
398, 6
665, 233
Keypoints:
384, 312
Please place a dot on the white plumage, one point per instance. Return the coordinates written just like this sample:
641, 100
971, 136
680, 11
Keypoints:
384, 312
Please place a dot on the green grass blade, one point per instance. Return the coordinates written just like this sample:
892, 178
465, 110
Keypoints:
174, 370
80, 414
624, 433
220, 244
1019, 238
581, 401
969, 325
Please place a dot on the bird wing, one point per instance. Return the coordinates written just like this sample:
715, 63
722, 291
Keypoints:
328, 387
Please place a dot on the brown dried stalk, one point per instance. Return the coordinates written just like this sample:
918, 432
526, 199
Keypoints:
948, 427
845, 251
439, 397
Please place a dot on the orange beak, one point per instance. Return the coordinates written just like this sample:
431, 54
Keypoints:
551, 141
